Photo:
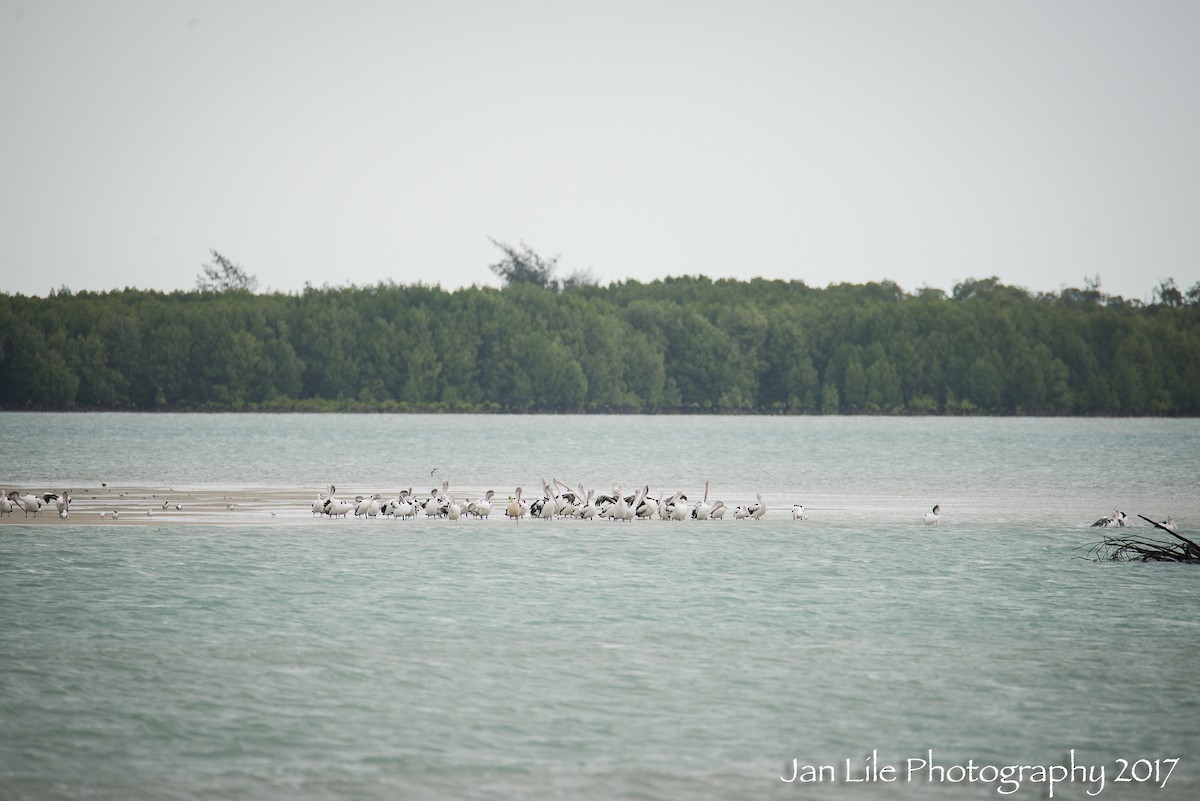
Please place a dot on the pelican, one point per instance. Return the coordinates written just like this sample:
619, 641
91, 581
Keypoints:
431, 506
1169, 524
934, 517
367, 507
547, 506
677, 510
6, 505
797, 511
318, 506
620, 509
647, 508
758, 509
1117, 518
740, 513
566, 500
588, 510
483, 507
27, 502
515, 510
116, 514
405, 506
334, 507
718, 510
702, 509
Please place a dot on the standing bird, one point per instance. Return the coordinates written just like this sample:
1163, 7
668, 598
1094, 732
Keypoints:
934, 517
757, 509
515, 510
797, 511
6, 505
27, 502
63, 504
483, 507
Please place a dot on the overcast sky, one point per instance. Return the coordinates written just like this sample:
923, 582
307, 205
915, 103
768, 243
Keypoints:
351, 143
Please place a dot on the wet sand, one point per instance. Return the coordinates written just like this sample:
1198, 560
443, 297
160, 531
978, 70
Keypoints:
157, 505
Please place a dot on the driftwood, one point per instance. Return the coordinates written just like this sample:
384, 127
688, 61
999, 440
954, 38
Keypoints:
1140, 549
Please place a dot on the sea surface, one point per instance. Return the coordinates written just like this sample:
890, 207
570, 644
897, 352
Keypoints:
301, 657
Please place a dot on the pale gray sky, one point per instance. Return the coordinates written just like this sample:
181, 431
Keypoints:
328, 142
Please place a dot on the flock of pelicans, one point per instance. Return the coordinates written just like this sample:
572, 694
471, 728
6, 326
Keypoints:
32, 504
558, 500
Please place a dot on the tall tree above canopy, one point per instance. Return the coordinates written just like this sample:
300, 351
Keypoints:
523, 266
225, 276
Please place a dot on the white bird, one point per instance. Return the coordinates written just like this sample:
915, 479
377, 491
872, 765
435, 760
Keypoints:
718, 510
404, 507
63, 504
566, 499
116, 514
588, 510
6, 505
335, 507
432, 506
1169, 524
677, 510
620, 510
758, 509
797, 511
367, 507
27, 502
1117, 518
318, 506
740, 513
934, 517
702, 509
483, 507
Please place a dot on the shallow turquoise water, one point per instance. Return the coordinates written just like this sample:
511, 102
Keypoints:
347, 659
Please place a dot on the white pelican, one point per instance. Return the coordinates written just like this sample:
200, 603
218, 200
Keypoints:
702, 509
405, 506
483, 507
432, 506
677, 510
515, 510
116, 514
27, 502
1169, 524
547, 506
934, 517
758, 509
797, 511
63, 504
718, 510
336, 508
318, 506
620, 509
647, 508
566, 500
367, 507
588, 510
740, 513
1117, 518
6, 505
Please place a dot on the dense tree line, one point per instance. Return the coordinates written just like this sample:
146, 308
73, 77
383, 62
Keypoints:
679, 344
